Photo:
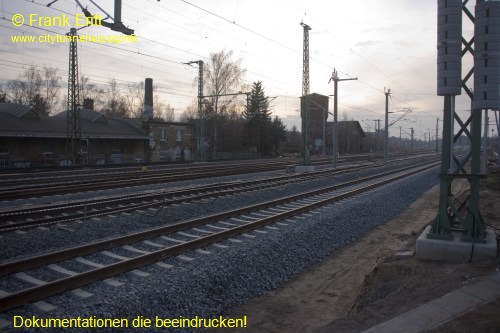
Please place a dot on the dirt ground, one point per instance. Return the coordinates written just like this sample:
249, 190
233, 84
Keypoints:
364, 284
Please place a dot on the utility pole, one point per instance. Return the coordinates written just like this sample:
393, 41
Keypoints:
386, 134
498, 135
437, 134
411, 142
377, 129
325, 115
73, 122
335, 134
399, 137
485, 143
200, 128
304, 103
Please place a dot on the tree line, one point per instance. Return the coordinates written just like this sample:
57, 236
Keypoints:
229, 125
40, 89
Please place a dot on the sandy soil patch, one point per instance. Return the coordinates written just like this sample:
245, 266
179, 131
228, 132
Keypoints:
364, 284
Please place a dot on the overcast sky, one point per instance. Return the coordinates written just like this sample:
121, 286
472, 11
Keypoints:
390, 43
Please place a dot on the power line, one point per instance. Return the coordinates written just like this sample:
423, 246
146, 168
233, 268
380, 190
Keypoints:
239, 25
149, 55
162, 44
364, 59
156, 42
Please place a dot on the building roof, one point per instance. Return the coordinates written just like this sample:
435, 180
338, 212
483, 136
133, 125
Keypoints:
18, 121
90, 115
346, 125
18, 110
316, 95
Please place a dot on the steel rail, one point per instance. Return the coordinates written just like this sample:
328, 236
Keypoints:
167, 198
35, 211
43, 189
36, 261
68, 283
102, 181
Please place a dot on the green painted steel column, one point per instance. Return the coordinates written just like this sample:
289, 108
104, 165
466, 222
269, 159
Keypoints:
475, 229
443, 222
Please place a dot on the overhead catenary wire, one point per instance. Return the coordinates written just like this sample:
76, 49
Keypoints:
185, 51
171, 46
278, 84
245, 28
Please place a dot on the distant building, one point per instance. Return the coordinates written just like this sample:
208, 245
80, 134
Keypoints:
350, 136
168, 141
29, 140
318, 115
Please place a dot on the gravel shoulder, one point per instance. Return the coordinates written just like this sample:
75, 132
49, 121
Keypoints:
214, 283
363, 284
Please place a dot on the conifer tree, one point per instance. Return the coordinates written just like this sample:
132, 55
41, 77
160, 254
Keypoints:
257, 119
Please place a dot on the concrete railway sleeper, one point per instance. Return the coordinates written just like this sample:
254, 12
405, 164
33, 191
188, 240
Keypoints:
240, 223
46, 215
15, 188
130, 180
23, 217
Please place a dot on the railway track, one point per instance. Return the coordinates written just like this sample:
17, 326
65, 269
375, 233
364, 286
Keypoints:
16, 186
19, 218
23, 188
153, 246
45, 215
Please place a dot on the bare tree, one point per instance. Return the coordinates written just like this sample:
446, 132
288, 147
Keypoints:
190, 113
140, 97
3, 94
32, 84
115, 104
134, 99
222, 75
26, 87
36, 88
162, 111
91, 91
168, 113
51, 85
15, 89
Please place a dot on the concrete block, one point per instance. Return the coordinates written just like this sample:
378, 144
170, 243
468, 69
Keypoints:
304, 168
44, 306
407, 254
81, 293
455, 249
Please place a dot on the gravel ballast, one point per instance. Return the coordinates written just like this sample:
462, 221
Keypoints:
211, 284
